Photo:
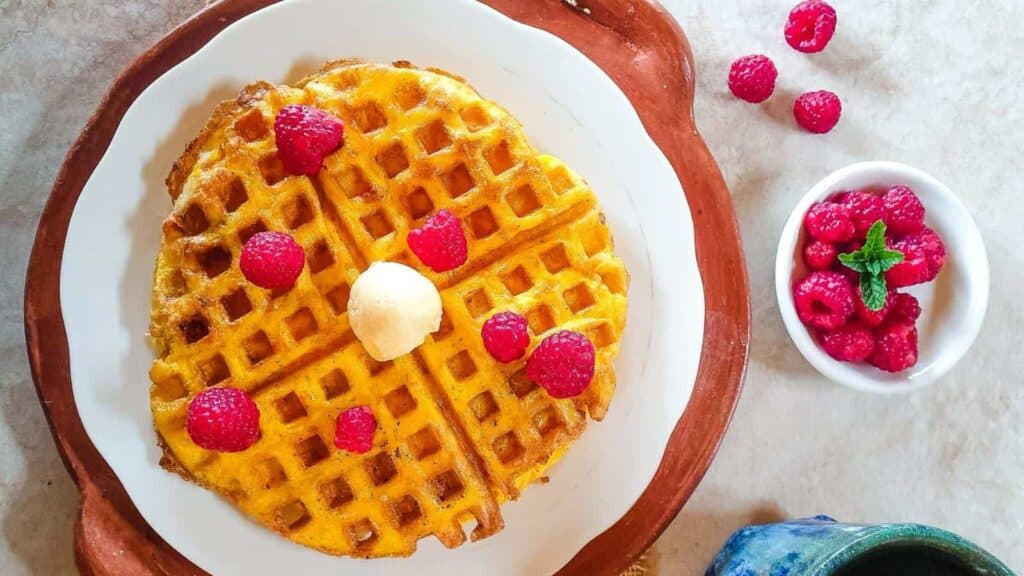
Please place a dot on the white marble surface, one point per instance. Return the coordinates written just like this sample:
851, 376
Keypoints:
935, 84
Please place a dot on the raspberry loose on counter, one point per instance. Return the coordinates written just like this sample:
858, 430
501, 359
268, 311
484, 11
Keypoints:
810, 26
305, 135
223, 419
818, 112
562, 364
355, 429
752, 78
440, 243
272, 260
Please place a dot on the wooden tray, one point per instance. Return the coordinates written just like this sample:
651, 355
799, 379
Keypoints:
640, 46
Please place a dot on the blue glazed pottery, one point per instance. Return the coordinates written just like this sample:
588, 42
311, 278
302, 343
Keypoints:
820, 546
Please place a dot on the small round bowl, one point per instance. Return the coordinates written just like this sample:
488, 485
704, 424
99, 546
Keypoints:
953, 305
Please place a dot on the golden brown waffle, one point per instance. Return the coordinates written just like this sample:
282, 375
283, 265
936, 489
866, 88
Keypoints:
458, 432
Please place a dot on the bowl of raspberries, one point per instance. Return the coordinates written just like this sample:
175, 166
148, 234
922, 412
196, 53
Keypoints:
882, 277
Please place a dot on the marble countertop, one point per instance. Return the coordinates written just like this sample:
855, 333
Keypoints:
935, 84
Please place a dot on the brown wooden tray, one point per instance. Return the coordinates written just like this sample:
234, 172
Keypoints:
640, 46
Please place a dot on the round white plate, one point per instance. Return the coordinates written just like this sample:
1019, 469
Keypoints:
569, 107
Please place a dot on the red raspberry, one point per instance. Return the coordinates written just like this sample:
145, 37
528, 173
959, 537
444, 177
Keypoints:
830, 222
871, 317
440, 243
852, 276
851, 247
934, 249
914, 268
865, 209
824, 300
272, 260
904, 213
223, 419
904, 308
505, 336
818, 112
355, 429
820, 255
851, 343
895, 346
304, 136
562, 364
752, 78
810, 26
924, 255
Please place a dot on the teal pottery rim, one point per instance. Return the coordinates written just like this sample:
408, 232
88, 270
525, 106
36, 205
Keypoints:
886, 537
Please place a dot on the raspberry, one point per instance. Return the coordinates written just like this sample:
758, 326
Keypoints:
871, 317
304, 136
895, 346
752, 78
851, 343
505, 336
852, 276
820, 255
924, 255
223, 419
934, 249
904, 307
810, 26
562, 364
904, 213
865, 209
830, 222
824, 300
440, 243
355, 429
852, 246
272, 260
818, 112
912, 270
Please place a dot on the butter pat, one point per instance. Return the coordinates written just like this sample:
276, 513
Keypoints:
392, 308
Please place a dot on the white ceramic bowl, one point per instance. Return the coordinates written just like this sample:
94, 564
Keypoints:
953, 306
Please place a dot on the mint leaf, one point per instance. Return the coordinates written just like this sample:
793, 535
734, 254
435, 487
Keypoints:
888, 259
875, 242
871, 262
854, 261
873, 291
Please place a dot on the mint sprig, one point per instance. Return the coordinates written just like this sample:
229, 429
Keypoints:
871, 262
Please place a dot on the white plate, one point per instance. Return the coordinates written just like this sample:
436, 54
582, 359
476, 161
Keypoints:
569, 107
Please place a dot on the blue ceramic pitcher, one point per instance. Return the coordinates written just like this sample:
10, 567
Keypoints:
820, 546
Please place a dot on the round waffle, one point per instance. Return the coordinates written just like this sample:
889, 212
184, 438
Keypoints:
458, 432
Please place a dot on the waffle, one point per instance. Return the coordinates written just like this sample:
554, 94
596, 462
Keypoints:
458, 432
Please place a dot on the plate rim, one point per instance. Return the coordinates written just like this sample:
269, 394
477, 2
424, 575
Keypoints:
108, 516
